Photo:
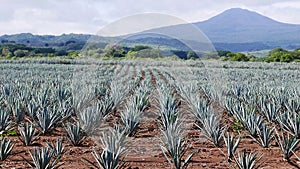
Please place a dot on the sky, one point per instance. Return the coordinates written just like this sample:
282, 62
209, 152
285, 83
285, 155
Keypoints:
55, 17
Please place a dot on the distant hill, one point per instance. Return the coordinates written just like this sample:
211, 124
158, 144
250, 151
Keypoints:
243, 26
41, 40
239, 29
235, 30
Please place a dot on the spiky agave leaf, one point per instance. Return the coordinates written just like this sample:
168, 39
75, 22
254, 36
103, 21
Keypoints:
231, 144
48, 118
201, 110
290, 121
113, 147
107, 105
5, 122
28, 134
174, 146
141, 98
247, 160
5, 148
212, 128
32, 109
269, 110
130, 118
228, 104
265, 135
168, 107
17, 112
288, 145
43, 158
75, 134
57, 147
293, 105
252, 122
90, 119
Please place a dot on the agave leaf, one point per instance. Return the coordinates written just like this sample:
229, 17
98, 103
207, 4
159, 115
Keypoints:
5, 148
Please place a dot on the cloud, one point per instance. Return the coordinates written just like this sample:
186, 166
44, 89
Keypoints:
288, 4
283, 11
78, 16
49, 17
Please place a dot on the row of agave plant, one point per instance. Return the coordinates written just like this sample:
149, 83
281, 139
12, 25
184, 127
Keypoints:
83, 117
267, 115
261, 103
201, 102
272, 115
38, 110
173, 143
113, 141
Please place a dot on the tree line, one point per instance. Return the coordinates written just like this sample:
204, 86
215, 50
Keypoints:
275, 55
139, 51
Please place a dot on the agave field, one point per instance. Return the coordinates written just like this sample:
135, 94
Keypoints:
149, 114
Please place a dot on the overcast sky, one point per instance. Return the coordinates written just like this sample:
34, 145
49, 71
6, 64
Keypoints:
89, 16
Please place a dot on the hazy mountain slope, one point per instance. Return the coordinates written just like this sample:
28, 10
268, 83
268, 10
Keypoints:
239, 25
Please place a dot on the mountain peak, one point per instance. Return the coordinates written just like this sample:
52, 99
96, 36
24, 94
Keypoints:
239, 16
237, 10
238, 25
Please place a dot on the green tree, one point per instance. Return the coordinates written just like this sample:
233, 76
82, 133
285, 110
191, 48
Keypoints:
61, 52
230, 55
74, 54
281, 55
239, 57
6, 52
222, 53
132, 54
191, 55
139, 47
296, 54
286, 57
115, 51
276, 50
20, 53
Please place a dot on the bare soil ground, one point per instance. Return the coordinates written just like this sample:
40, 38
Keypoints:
145, 152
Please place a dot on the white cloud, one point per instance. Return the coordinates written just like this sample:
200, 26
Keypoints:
79, 16
287, 11
288, 4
